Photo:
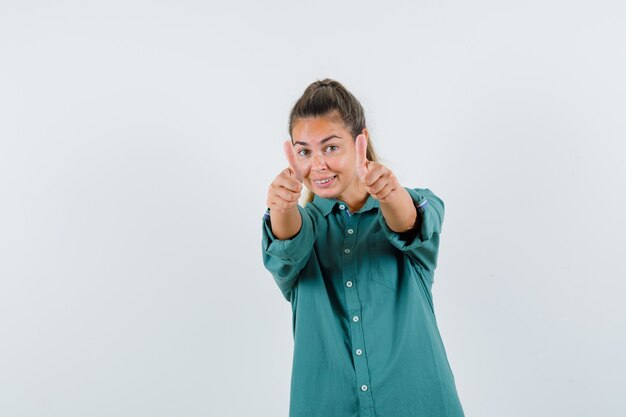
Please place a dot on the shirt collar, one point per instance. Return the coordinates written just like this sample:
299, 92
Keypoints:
326, 205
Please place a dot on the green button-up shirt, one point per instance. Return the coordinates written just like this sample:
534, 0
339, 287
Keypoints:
366, 341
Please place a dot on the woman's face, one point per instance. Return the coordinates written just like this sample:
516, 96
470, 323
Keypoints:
326, 156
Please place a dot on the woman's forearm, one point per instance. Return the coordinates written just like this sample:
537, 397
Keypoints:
287, 224
399, 211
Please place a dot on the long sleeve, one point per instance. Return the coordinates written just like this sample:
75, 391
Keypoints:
286, 258
422, 245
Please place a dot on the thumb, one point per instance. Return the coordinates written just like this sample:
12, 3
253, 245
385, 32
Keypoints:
290, 154
361, 155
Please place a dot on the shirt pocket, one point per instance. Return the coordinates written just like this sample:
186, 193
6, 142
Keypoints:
382, 260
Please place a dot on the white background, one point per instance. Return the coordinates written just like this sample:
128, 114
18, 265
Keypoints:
138, 139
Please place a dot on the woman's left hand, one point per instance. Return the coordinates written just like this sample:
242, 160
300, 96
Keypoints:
379, 181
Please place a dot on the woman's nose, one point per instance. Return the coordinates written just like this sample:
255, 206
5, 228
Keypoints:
318, 163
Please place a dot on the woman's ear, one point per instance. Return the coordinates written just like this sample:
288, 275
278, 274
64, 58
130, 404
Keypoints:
366, 133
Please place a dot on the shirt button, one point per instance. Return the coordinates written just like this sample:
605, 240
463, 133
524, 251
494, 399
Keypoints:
350, 231
346, 250
359, 352
355, 319
342, 207
349, 284
363, 387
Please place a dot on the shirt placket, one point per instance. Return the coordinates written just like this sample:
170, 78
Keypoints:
354, 309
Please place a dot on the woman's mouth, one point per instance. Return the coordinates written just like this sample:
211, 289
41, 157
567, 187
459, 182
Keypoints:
325, 182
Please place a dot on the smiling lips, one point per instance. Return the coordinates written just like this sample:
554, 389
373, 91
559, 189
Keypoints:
325, 181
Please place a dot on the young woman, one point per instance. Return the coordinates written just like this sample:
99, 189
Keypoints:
356, 263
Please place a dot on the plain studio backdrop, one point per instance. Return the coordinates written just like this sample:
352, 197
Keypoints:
138, 140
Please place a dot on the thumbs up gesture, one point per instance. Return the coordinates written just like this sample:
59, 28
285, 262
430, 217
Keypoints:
290, 154
378, 180
285, 189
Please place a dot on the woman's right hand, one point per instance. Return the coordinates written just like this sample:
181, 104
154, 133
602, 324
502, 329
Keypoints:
284, 192
282, 198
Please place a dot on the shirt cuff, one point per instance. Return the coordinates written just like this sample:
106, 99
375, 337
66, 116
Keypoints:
427, 223
288, 249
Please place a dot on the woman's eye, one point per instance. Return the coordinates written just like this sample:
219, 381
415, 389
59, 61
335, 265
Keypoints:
331, 148
303, 152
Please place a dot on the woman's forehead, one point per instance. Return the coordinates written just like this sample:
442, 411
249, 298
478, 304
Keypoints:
312, 130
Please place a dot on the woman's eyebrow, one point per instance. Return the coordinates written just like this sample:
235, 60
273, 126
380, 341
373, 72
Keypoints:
321, 141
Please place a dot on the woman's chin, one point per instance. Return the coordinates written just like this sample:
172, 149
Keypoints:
325, 192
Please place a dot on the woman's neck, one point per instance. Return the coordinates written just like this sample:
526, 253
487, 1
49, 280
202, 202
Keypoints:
355, 197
